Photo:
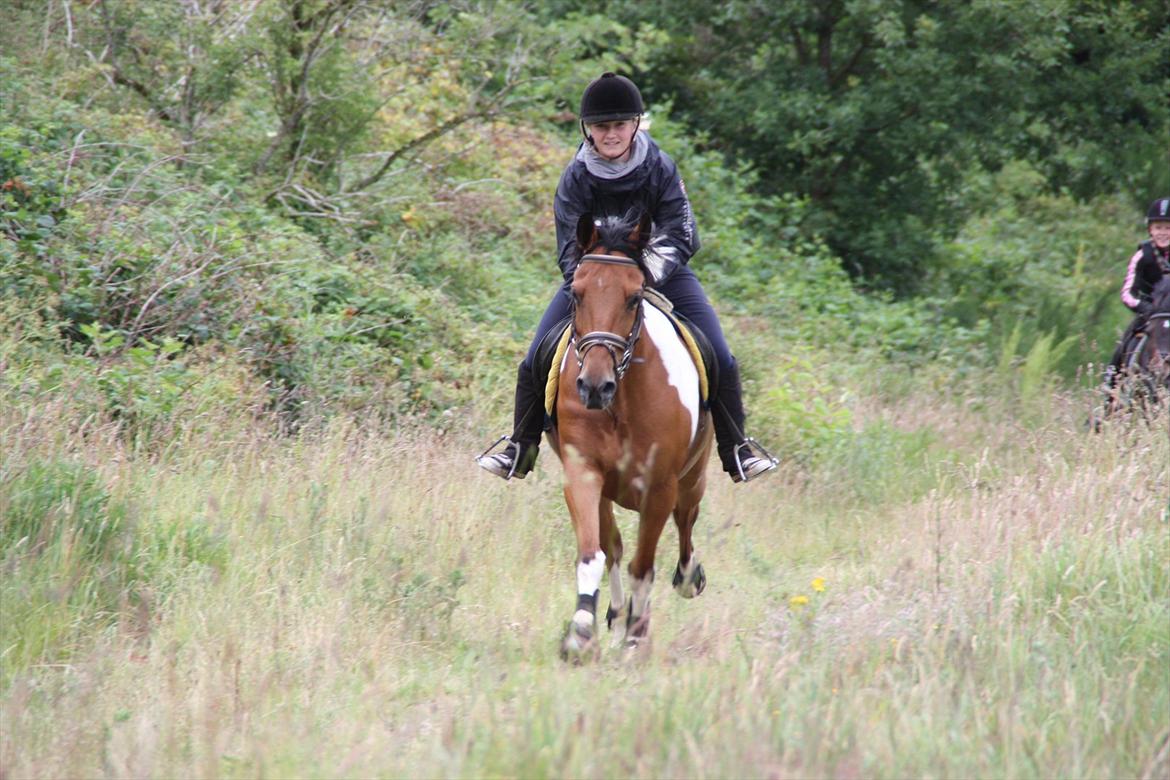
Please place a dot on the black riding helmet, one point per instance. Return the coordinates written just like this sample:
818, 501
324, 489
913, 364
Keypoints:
1159, 211
608, 98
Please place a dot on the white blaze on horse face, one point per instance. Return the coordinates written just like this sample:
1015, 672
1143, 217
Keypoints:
589, 582
680, 367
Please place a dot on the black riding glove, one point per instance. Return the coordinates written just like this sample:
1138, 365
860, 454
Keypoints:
1143, 308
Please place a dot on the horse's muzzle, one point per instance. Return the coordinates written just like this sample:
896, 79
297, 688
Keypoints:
597, 395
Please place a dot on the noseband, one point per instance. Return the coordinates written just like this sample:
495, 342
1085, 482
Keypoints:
612, 342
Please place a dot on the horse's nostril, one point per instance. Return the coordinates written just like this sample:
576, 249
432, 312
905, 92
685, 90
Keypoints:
608, 388
580, 384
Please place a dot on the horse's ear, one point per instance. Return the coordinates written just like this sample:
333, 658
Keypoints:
586, 232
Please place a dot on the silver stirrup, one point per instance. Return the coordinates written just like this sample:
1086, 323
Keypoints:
482, 459
767, 456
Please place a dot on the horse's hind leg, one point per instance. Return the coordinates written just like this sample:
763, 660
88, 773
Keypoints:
689, 577
611, 545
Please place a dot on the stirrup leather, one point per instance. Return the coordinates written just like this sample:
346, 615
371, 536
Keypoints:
483, 458
748, 444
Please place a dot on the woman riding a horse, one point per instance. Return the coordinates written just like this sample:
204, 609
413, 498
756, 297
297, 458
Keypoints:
1148, 266
619, 168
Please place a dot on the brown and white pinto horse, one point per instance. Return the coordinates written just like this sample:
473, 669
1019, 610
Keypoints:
629, 430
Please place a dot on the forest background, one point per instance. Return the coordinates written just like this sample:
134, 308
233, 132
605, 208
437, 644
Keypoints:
271, 220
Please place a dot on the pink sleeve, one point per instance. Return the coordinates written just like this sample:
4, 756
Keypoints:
1127, 296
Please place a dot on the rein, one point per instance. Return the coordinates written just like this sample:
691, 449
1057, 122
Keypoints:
612, 342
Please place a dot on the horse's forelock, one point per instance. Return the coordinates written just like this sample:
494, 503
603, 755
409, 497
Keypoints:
613, 233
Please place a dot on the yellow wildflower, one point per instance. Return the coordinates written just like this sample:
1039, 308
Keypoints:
818, 584
797, 602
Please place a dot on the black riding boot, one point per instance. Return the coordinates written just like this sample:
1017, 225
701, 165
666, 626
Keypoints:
742, 458
518, 458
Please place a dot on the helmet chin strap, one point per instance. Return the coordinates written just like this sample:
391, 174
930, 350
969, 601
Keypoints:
589, 139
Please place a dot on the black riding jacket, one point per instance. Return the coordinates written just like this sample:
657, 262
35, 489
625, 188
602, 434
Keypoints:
655, 185
1146, 268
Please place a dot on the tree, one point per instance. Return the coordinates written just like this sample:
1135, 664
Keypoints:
322, 99
873, 109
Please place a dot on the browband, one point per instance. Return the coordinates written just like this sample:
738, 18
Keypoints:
611, 259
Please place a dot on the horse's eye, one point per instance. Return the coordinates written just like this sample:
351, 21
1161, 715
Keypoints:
633, 302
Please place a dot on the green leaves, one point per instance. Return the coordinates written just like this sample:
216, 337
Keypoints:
875, 110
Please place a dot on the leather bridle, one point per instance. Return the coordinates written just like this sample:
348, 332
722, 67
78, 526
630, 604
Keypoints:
613, 343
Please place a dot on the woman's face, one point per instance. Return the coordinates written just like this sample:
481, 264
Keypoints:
1160, 232
612, 139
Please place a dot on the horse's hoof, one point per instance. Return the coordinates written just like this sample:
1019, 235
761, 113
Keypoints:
690, 585
636, 648
578, 645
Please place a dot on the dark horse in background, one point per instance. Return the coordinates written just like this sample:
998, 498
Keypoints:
1144, 378
629, 429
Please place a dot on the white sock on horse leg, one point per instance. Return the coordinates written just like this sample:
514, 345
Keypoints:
589, 573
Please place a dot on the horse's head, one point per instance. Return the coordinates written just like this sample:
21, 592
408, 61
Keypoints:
607, 295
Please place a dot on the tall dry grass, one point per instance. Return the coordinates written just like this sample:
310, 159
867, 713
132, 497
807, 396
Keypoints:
352, 603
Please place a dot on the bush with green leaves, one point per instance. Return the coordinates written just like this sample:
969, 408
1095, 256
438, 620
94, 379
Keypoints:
1030, 266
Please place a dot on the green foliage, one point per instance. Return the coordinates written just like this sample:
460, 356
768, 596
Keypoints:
881, 462
68, 554
874, 111
56, 504
1043, 266
801, 413
30, 205
77, 559
339, 237
1031, 378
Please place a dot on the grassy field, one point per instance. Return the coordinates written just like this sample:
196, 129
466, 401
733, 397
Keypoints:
952, 593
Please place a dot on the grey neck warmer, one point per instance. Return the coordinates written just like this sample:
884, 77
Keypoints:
610, 169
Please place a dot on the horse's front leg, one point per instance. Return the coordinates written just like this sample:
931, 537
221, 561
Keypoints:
656, 507
583, 497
